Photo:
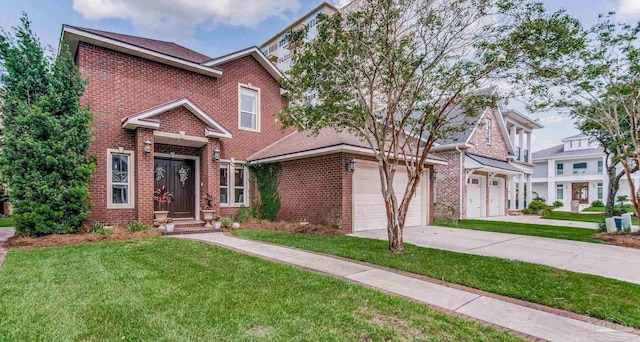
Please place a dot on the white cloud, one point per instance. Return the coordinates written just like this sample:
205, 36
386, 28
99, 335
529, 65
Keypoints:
182, 17
628, 10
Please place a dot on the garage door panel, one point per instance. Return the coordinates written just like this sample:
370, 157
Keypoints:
369, 209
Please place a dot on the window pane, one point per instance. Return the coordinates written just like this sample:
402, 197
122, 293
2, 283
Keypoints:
580, 165
248, 100
119, 168
120, 194
239, 196
224, 196
239, 177
559, 193
224, 176
248, 120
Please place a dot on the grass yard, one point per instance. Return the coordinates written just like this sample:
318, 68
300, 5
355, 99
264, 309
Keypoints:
7, 222
627, 207
565, 233
600, 297
569, 216
162, 289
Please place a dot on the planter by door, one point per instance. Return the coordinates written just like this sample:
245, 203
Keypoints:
178, 175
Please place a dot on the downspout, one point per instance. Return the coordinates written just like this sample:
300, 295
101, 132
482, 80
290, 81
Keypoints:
461, 183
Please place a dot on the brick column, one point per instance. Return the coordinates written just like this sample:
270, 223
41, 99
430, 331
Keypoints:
347, 194
210, 173
144, 186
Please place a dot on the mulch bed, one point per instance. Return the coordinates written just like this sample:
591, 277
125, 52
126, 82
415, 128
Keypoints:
620, 239
23, 241
312, 229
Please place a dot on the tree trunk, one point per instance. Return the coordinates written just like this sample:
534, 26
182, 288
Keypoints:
632, 189
396, 241
612, 191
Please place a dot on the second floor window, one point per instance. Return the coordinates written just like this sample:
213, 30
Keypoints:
249, 116
488, 134
579, 168
600, 168
559, 169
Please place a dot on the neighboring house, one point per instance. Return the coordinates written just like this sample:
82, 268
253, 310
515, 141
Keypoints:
488, 166
278, 49
574, 170
165, 115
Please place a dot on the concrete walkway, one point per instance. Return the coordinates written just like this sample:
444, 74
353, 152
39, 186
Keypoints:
5, 234
530, 219
519, 318
604, 260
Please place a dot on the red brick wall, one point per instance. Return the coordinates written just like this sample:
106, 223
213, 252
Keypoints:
318, 189
448, 186
121, 85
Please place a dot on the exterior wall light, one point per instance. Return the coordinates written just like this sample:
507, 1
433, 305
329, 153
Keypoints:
147, 147
434, 174
216, 155
351, 165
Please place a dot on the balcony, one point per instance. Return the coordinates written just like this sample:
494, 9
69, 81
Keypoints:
522, 154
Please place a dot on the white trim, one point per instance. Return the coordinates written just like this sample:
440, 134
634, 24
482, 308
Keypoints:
575, 156
197, 180
141, 119
231, 183
180, 139
258, 104
131, 175
73, 34
329, 150
255, 53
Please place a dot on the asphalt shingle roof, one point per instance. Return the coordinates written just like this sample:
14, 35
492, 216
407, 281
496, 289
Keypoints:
491, 162
558, 151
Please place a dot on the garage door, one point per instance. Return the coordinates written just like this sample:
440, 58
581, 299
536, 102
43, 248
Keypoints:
474, 198
368, 205
496, 197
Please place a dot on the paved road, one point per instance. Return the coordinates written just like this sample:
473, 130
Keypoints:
599, 259
533, 322
529, 219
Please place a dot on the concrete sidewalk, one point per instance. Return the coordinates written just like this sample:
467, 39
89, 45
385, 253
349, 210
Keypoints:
519, 318
5, 234
529, 219
599, 259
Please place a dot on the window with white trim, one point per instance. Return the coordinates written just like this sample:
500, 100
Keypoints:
249, 109
600, 191
559, 191
120, 179
233, 185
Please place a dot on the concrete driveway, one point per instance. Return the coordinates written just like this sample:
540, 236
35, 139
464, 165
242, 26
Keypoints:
529, 219
603, 260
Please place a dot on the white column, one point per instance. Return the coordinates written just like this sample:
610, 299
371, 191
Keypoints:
529, 146
513, 135
521, 192
512, 192
521, 143
529, 189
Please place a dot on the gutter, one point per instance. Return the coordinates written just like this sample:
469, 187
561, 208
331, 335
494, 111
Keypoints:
461, 182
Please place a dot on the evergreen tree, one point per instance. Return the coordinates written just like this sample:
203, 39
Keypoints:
46, 135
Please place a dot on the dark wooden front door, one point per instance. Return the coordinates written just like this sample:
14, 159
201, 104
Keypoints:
580, 192
179, 176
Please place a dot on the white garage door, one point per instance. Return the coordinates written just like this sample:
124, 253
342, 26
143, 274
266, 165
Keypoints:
474, 198
368, 205
496, 197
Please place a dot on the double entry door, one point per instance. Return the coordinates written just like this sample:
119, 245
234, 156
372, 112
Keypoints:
178, 175
580, 192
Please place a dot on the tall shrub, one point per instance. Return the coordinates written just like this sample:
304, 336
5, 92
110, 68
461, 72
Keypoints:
46, 135
267, 179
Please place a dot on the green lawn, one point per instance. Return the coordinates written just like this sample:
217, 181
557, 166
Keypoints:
7, 222
627, 207
565, 233
595, 296
569, 216
163, 289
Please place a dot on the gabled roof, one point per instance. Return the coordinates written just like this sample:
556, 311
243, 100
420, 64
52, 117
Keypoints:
577, 136
493, 163
143, 119
251, 51
154, 50
160, 46
301, 144
559, 152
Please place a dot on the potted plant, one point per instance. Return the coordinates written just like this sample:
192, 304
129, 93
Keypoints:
169, 224
217, 222
207, 205
163, 197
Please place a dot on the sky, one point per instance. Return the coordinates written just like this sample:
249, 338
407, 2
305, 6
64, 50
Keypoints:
217, 27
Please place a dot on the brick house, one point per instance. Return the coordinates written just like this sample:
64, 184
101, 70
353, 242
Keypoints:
487, 166
169, 116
